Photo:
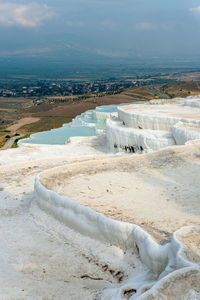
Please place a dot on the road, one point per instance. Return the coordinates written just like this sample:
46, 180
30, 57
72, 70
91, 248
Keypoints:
11, 141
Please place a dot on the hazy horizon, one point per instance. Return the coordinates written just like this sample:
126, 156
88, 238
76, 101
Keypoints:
84, 32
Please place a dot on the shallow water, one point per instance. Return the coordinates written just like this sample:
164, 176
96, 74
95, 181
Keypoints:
85, 124
89, 123
60, 135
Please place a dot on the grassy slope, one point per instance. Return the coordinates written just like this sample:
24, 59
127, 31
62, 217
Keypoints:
45, 123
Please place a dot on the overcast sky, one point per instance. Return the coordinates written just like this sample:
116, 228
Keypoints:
110, 28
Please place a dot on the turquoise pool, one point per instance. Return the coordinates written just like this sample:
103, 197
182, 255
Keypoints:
60, 136
87, 124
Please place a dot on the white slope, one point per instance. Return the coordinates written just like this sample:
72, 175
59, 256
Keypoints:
57, 248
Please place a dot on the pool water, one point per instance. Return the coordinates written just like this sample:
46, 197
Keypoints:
60, 136
89, 123
86, 124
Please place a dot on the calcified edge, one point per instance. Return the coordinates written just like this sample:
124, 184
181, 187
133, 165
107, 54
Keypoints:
168, 265
153, 126
165, 263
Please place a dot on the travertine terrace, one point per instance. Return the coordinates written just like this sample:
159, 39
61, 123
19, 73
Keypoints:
154, 126
104, 225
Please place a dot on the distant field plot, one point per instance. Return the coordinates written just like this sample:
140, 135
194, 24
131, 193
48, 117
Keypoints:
44, 124
14, 103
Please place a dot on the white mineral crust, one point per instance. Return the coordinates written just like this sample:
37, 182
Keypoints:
78, 222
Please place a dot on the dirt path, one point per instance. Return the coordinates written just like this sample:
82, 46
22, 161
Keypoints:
10, 142
22, 122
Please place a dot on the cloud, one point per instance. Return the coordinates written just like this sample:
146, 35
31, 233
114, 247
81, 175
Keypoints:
26, 15
145, 26
195, 10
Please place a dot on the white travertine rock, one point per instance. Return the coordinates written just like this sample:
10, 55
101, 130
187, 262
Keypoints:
183, 133
158, 117
163, 262
154, 126
172, 269
136, 140
193, 103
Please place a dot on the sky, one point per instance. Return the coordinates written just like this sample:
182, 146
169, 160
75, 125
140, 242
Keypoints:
100, 28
